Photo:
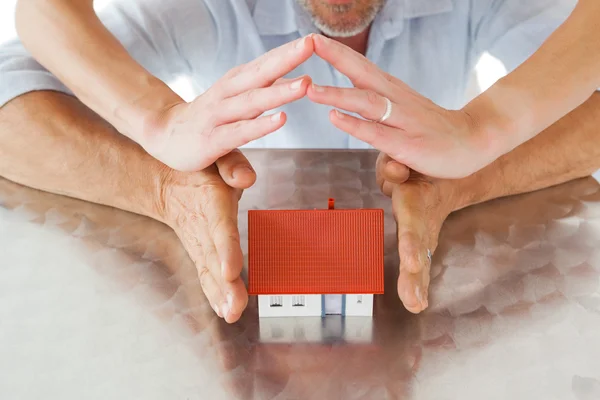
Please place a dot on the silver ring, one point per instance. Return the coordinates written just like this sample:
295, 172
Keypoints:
388, 110
429, 255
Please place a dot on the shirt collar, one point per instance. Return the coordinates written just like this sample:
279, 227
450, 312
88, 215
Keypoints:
282, 17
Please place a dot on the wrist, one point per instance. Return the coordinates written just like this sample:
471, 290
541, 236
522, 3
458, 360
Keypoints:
495, 127
482, 186
164, 182
139, 117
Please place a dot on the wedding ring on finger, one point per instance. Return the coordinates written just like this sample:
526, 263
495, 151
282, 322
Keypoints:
388, 110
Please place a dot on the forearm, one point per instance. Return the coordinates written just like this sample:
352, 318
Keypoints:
77, 154
555, 80
91, 62
567, 150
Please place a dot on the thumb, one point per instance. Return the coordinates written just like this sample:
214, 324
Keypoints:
389, 170
236, 171
414, 245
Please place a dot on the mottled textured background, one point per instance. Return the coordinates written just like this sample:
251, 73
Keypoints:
97, 303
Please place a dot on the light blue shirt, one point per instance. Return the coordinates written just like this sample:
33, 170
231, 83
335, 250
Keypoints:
432, 45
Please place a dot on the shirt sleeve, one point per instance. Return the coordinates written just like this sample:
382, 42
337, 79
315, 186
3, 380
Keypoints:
152, 31
512, 30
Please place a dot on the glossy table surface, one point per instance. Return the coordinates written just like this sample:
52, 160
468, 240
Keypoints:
97, 303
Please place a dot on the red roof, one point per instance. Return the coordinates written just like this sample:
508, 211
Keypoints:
315, 252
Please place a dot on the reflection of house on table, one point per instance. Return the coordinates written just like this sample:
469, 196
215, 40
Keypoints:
315, 262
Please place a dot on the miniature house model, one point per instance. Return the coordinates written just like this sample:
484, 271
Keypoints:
315, 262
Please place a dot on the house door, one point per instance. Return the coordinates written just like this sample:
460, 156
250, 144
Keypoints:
333, 304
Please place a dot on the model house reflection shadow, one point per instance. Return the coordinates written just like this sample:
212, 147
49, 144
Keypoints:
331, 329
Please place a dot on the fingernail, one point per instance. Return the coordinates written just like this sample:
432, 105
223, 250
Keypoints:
225, 309
276, 117
244, 169
301, 43
318, 88
339, 114
296, 84
223, 269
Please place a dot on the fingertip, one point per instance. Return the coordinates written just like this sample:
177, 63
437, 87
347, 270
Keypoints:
305, 85
319, 45
306, 47
234, 314
396, 172
232, 318
278, 119
383, 158
351, 125
243, 177
407, 295
317, 93
310, 42
319, 39
414, 310
216, 310
387, 188
308, 80
337, 116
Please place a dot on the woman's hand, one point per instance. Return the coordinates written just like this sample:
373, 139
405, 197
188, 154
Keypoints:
192, 136
418, 133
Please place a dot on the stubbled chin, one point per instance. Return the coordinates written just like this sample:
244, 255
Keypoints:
340, 30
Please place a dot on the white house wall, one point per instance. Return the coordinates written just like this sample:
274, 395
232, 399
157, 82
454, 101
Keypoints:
311, 307
359, 305
356, 305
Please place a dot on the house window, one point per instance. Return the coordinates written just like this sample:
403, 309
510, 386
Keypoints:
276, 301
359, 299
298, 301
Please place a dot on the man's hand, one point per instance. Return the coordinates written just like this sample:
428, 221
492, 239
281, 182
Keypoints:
420, 206
140, 105
192, 136
202, 209
418, 133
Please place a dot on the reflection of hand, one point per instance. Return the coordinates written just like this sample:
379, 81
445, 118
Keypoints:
202, 208
420, 206
190, 137
418, 133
